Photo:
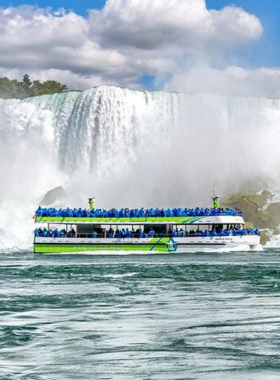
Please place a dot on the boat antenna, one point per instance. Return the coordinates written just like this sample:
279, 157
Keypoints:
91, 203
215, 198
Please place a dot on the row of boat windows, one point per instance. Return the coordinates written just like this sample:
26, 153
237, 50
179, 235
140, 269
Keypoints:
139, 233
135, 213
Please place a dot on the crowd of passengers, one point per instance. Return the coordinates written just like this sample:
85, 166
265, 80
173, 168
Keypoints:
139, 233
55, 233
135, 213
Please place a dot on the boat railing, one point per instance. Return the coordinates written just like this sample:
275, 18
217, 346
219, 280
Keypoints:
150, 236
107, 236
134, 218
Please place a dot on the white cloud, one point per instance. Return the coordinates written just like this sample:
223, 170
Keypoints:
33, 39
151, 24
121, 42
232, 81
233, 26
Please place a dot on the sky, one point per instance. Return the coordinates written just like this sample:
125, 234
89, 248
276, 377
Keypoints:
223, 46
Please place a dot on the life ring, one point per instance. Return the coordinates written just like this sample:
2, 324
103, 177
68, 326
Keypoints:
171, 245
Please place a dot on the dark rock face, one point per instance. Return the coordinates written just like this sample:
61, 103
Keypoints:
53, 195
255, 211
251, 204
264, 237
274, 211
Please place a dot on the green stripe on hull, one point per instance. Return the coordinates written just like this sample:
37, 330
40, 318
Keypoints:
68, 248
179, 220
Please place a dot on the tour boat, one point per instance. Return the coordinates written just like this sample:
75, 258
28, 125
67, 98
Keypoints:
176, 230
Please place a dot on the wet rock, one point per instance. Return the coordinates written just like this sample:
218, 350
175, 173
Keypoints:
256, 214
252, 206
266, 195
264, 237
273, 211
53, 195
276, 231
251, 201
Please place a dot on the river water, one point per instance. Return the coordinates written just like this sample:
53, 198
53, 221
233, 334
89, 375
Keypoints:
202, 316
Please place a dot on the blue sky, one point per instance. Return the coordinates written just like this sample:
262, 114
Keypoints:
79, 6
261, 52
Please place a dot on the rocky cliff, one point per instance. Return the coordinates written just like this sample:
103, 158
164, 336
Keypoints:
260, 211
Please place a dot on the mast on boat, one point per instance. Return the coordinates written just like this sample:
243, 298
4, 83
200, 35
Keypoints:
215, 199
91, 203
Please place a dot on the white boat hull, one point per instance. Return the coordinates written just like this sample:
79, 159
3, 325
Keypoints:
152, 245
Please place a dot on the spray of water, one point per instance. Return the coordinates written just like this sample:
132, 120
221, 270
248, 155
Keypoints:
130, 148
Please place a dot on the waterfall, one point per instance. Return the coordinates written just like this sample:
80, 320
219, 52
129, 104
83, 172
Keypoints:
130, 148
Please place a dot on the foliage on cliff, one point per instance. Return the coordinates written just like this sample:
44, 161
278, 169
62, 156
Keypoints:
14, 89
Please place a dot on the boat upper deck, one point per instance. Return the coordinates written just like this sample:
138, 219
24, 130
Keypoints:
140, 216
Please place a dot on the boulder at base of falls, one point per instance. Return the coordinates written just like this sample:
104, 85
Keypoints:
264, 237
274, 211
256, 212
252, 206
53, 195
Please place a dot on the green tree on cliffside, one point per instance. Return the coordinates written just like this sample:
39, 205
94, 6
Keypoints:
13, 89
47, 87
26, 85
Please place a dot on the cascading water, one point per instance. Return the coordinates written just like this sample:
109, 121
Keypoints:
130, 148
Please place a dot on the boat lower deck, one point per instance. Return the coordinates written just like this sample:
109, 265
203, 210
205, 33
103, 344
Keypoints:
160, 245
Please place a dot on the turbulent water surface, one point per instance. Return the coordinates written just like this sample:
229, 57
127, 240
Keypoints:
203, 316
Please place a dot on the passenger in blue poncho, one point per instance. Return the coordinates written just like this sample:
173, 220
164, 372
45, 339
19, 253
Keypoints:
140, 233
181, 232
151, 233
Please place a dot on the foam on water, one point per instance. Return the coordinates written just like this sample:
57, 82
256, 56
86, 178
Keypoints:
129, 148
